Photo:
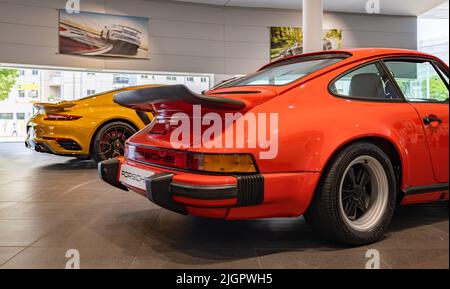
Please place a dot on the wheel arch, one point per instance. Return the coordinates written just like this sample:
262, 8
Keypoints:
106, 122
392, 149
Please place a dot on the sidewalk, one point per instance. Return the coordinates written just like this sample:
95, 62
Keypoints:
12, 139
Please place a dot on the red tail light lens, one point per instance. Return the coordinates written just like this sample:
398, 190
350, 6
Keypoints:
156, 156
59, 117
213, 163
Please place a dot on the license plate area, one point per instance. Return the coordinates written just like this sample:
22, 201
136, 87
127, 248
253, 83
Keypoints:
134, 177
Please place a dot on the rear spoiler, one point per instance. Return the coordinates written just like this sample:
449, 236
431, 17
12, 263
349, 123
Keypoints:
54, 107
171, 97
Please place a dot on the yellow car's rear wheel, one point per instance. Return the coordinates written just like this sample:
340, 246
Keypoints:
109, 141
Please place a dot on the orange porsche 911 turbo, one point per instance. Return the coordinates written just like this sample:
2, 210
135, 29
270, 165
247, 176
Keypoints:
340, 137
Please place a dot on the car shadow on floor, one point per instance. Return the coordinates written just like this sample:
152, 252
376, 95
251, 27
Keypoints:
413, 216
71, 164
186, 241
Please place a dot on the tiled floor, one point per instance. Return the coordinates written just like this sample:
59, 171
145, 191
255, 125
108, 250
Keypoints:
50, 204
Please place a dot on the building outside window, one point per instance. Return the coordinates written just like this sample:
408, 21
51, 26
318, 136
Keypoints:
121, 79
33, 94
6, 116
42, 85
433, 32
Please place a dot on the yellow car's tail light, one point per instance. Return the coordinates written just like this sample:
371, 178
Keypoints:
58, 117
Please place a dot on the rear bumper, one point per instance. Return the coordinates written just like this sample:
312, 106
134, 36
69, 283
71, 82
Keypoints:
228, 197
53, 147
65, 138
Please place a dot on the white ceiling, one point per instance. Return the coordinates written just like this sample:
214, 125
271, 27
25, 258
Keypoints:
440, 12
392, 7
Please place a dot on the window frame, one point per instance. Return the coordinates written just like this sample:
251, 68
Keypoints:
437, 66
401, 98
9, 116
20, 113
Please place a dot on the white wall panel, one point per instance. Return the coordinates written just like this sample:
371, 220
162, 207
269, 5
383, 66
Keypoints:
189, 30
247, 50
29, 35
29, 15
238, 33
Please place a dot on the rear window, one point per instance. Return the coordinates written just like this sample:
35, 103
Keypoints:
285, 73
100, 93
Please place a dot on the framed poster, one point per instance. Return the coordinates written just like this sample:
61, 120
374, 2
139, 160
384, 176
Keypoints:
95, 34
288, 41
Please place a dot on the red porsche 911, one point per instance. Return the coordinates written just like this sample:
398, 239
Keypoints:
340, 137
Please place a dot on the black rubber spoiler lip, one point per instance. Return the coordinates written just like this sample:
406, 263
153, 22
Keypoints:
166, 97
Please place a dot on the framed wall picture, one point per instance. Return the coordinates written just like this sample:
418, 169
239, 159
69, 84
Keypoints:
288, 41
95, 34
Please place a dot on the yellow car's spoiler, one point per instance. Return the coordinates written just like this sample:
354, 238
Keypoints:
54, 107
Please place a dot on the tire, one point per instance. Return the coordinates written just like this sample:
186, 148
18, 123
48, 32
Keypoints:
340, 195
113, 136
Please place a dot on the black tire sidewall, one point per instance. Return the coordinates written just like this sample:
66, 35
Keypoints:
331, 215
100, 132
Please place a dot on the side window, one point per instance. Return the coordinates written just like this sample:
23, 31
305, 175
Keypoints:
419, 81
368, 82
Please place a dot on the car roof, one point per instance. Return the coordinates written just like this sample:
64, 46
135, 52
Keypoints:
356, 54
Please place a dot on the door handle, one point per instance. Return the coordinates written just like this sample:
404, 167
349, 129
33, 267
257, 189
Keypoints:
431, 118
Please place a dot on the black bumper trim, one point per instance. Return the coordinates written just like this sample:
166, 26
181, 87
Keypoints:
159, 192
108, 171
43, 147
205, 192
250, 190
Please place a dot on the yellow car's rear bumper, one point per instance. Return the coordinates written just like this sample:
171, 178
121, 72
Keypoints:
68, 138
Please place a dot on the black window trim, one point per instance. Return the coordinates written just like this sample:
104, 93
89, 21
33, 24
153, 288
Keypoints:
401, 98
417, 59
440, 71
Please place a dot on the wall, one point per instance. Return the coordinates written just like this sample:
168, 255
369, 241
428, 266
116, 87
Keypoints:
184, 37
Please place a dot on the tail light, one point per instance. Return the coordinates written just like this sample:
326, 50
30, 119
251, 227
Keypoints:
162, 157
61, 117
211, 163
222, 163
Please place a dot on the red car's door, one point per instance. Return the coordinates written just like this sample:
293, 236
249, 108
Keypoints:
425, 86
435, 124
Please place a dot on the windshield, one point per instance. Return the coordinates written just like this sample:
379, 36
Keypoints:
285, 73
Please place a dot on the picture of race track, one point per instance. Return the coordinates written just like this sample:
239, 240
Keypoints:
92, 34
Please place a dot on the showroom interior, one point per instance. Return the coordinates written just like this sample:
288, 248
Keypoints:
53, 202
